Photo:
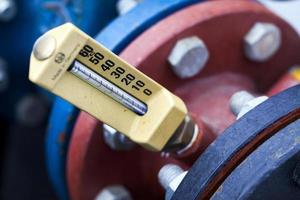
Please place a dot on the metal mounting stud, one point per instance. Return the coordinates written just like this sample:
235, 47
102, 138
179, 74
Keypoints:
170, 176
242, 102
238, 99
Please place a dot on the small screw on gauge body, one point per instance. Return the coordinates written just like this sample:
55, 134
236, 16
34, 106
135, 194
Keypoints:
44, 47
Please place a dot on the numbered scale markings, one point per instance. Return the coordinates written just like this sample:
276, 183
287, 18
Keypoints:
108, 88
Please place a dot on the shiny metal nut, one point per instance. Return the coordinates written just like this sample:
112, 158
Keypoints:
124, 6
115, 192
182, 136
262, 41
8, 10
188, 57
116, 140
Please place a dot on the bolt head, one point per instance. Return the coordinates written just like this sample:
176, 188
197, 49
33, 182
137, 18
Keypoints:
262, 41
8, 10
116, 140
188, 57
116, 192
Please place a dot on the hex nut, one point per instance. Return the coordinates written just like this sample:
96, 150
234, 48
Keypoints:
182, 136
262, 41
116, 140
188, 57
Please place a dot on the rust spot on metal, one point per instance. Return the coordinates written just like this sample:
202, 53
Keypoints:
62, 138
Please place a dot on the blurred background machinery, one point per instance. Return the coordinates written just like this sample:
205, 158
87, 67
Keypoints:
231, 61
24, 108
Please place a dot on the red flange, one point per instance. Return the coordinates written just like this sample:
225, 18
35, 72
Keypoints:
92, 165
291, 78
222, 25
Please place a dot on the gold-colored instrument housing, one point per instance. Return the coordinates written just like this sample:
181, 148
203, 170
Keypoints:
55, 52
